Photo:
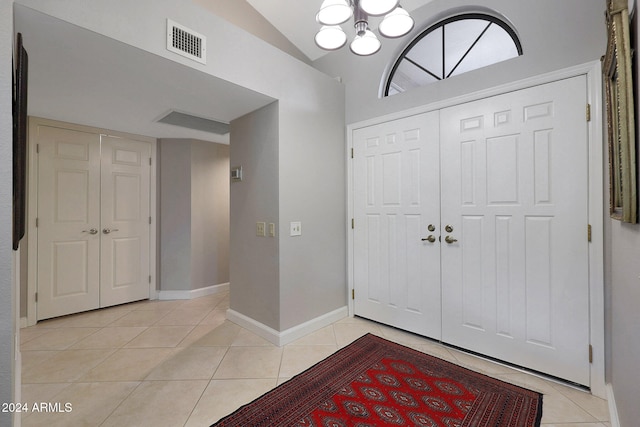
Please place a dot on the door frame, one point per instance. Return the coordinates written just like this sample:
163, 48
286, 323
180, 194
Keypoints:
32, 207
592, 71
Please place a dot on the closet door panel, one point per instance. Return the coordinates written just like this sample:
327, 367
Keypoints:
125, 221
68, 221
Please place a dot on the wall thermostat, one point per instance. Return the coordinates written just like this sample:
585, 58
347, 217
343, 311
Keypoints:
236, 173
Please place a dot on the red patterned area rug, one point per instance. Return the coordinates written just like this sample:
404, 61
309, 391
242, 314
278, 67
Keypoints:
374, 382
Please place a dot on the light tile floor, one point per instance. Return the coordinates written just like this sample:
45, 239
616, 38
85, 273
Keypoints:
180, 363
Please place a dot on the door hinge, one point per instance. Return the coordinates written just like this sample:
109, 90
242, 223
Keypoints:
588, 112
353, 223
149, 161
149, 220
37, 148
149, 278
36, 297
589, 232
590, 353
37, 222
353, 294
352, 153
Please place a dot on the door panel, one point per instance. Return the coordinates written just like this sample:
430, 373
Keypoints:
125, 221
505, 182
68, 208
514, 190
396, 272
93, 215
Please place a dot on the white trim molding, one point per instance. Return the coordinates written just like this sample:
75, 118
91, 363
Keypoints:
287, 336
193, 293
613, 409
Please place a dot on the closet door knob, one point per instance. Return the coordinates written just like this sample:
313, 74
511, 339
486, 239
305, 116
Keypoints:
92, 231
108, 230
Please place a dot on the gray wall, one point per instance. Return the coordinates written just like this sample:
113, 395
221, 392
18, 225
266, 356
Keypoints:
242, 14
310, 112
7, 296
209, 214
623, 316
255, 280
194, 214
312, 190
554, 35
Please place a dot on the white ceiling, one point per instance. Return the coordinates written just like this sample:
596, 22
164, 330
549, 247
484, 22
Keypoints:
297, 20
78, 76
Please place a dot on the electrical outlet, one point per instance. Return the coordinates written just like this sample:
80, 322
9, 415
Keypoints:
296, 229
272, 229
260, 229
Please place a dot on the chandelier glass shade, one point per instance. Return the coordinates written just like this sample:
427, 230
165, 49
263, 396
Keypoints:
331, 37
378, 7
334, 12
396, 23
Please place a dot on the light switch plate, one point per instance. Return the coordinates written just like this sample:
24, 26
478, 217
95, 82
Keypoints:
272, 229
261, 229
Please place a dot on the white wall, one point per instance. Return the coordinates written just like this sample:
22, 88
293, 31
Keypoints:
554, 35
7, 294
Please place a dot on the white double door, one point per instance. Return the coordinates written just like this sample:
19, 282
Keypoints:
93, 221
471, 227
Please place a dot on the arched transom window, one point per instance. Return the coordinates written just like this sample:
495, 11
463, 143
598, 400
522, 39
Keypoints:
453, 46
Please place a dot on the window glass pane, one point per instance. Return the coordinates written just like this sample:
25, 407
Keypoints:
408, 76
485, 52
428, 52
492, 44
459, 36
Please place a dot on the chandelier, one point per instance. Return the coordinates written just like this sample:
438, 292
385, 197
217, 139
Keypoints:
396, 23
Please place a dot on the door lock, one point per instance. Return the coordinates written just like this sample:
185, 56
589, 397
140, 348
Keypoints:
431, 227
448, 229
450, 240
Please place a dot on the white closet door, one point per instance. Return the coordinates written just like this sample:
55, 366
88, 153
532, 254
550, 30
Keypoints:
124, 221
93, 221
515, 284
68, 221
396, 200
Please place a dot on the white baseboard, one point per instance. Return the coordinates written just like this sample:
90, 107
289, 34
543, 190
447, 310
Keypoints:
23, 322
194, 293
291, 334
613, 409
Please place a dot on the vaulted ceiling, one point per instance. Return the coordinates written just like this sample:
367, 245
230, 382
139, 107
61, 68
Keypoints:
296, 20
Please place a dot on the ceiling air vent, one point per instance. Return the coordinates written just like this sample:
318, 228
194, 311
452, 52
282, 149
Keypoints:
190, 121
186, 42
